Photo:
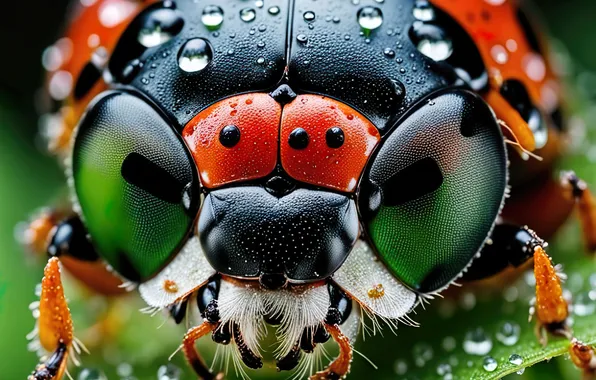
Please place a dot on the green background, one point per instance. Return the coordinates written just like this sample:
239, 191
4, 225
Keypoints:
29, 180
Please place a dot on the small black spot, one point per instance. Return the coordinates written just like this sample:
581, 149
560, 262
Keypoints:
87, 79
420, 178
273, 281
279, 186
138, 170
334, 137
517, 96
298, 139
558, 119
178, 310
229, 136
283, 94
529, 32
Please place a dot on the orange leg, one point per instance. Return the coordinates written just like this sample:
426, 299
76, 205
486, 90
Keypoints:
551, 307
191, 354
584, 358
54, 325
340, 367
586, 206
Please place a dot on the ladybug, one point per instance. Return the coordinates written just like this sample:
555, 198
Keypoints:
299, 164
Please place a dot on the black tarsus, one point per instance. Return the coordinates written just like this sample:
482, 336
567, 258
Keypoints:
510, 246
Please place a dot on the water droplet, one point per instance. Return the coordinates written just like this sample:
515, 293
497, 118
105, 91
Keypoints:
529, 278
423, 11
422, 352
476, 342
195, 55
262, 28
168, 372
443, 369
248, 14
112, 13
91, 374
160, 26
448, 343
212, 17
260, 60
309, 16
511, 294
400, 367
260, 44
259, 3
370, 18
51, 58
489, 364
534, 66
431, 41
124, 369
60, 85
508, 333
468, 301
499, 54
302, 38
274, 10
516, 359
585, 304
389, 53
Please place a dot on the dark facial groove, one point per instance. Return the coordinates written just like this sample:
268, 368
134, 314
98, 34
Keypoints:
420, 178
138, 170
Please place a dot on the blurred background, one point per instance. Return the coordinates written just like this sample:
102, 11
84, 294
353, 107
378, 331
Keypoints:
30, 179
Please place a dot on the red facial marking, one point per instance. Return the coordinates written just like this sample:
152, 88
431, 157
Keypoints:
318, 163
253, 156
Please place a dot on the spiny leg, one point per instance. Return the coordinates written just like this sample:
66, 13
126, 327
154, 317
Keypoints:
513, 246
586, 206
191, 354
551, 308
584, 358
54, 324
339, 368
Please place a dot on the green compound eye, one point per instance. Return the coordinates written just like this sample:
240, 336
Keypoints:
434, 190
136, 184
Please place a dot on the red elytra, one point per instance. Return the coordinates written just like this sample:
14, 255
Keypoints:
265, 129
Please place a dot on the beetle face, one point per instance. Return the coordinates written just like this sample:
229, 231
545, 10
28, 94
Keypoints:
279, 182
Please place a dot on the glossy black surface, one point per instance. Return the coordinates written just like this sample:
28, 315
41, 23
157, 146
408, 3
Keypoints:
511, 246
70, 238
306, 235
379, 72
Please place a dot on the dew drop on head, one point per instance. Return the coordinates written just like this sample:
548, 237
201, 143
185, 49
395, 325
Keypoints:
370, 18
195, 55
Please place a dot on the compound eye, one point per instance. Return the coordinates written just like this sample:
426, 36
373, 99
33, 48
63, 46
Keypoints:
136, 184
434, 189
